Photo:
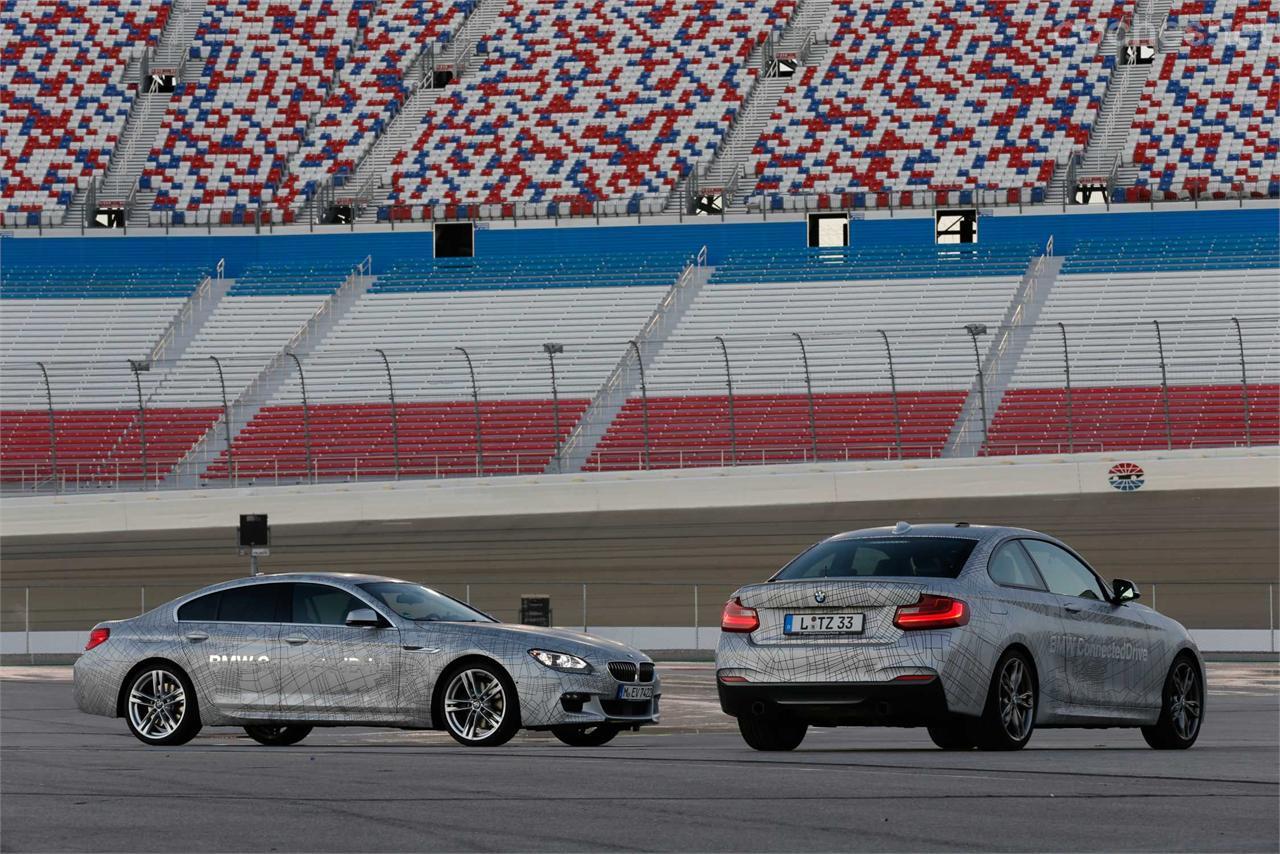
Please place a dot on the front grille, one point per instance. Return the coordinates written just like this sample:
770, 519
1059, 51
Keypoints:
623, 671
646, 672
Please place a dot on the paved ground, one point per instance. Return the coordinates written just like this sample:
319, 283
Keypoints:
73, 782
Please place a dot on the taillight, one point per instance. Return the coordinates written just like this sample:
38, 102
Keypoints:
96, 637
932, 612
738, 617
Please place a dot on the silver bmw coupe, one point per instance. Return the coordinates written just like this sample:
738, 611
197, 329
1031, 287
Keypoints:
979, 633
281, 654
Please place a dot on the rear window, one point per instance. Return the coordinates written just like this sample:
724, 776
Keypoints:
881, 557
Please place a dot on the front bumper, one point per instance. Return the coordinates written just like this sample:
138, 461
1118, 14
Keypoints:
839, 703
548, 699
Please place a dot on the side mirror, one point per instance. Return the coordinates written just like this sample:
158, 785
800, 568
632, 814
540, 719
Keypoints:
1123, 590
366, 617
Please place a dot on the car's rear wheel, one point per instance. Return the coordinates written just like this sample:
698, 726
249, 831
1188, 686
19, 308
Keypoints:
281, 735
763, 732
585, 736
1010, 713
953, 735
1182, 708
480, 705
160, 708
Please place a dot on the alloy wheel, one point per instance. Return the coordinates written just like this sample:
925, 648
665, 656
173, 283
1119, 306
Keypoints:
1184, 701
475, 704
157, 704
1017, 699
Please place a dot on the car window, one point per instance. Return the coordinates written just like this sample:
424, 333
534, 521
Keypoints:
889, 557
1063, 572
415, 602
253, 603
1011, 567
203, 609
322, 605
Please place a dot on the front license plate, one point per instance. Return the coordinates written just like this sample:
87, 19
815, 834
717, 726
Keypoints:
635, 692
822, 624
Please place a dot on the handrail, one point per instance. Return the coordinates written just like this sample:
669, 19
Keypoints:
196, 301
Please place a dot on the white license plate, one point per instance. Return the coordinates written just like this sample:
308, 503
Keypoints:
822, 624
635, 692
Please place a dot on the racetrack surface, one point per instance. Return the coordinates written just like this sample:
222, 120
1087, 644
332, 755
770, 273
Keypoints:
71, 782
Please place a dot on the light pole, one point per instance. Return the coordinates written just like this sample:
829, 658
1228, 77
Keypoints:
808, 385
1244, 384
306, 413
1066, 367
53, 428
974, 330
226, 418
475, 403
138, 366
733, 423
893, 386
1164, 388
395, 418
644, 400
551, 349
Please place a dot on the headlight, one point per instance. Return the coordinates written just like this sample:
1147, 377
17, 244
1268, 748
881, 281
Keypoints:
560, 661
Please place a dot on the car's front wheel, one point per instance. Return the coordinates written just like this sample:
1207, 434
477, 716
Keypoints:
771, 733
480, 705
278, 736
1181, 710
585, 736
1010, 712
160, 708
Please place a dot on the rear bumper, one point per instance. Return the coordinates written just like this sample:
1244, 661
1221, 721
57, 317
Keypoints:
839, 703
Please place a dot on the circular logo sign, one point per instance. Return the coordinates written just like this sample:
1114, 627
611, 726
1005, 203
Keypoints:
819, 596
1126, 477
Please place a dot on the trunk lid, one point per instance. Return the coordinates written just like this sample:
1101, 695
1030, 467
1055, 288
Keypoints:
877, 600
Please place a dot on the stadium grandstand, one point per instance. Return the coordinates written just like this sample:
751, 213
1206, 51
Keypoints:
349, 239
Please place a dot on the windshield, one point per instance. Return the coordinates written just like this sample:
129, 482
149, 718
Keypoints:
881, 557
415, 602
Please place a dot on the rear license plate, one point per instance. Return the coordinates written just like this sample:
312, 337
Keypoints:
635, 692
822, 624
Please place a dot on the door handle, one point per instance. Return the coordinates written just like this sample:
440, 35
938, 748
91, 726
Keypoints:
415, 648
295, 640
1072, 607
196, 637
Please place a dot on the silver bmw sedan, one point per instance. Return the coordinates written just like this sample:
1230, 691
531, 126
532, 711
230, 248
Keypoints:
281, 654
980, 633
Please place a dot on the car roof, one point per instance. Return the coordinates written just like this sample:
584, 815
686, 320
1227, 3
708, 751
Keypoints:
941, 529
349, 577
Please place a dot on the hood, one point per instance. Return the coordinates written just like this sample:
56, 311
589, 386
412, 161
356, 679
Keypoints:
595, 649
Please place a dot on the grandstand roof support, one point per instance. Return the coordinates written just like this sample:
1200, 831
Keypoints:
644, 399
395, 416
733, 422
226, 417
1164, 388
893, 387
808, 385
53, 427
1244, 383
306, 415
551, 349
974, 330
1066, 367
475, 402
137, 367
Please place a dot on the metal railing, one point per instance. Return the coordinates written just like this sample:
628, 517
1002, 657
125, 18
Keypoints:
805, 395
693, 605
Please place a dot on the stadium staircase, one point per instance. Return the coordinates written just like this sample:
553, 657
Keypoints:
371, 189
627, 376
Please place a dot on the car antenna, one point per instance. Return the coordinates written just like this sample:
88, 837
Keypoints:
901, 528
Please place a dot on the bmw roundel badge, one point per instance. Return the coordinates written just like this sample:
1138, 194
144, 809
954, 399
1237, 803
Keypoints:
819, 596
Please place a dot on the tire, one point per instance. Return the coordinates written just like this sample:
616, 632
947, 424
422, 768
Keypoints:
953, 735
479, 705
585, 736
160, 707
1181, 708
770, 733
281, 735
1012, 701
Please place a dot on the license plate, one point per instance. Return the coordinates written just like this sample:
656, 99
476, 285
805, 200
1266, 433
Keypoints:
635, 692
822, 624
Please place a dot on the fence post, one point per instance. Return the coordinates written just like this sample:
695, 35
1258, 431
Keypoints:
808, 384
733, 422
1271, 617
468, 594
644, 404
26, 619
893, 386
1244, 385
1153, 596
1164, 388
142, 599
1066, 367
697, 638
395, 420
584, 607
